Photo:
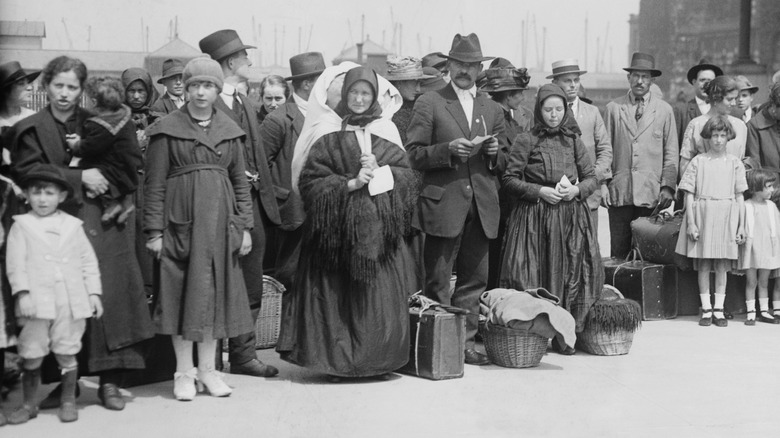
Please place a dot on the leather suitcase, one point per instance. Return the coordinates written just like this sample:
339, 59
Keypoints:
652, 285
656, 237
437, 342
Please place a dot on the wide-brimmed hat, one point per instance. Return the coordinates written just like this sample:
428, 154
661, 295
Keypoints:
222, 43
434, 83
505, 79
643, 62
406, 68
702, 65
743, 83
306, 64
171, 67
49, 173
435, 60
566, 66
11, 72
466, 49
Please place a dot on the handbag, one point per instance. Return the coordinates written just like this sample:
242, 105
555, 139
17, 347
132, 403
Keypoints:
656, 238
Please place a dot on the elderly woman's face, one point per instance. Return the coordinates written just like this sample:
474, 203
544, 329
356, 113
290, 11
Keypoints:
334, 92
136, 94
273, 97
552, 111
409, 90
359, 97
64, 91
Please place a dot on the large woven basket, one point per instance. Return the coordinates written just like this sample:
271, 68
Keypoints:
598, 341
269, 319
512, 348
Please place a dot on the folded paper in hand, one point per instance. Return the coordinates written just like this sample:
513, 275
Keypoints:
564, 183
382, 181
477, 142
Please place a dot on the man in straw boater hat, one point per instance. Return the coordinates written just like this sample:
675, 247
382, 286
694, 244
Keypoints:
458, 203
699, 76
566, 74
173, 98
644, 153
226, 48
406, 74
279, 132
505, 84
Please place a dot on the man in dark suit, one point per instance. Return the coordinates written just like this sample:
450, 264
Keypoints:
173, 98
699, 76
458, 203
279, 132
226, 48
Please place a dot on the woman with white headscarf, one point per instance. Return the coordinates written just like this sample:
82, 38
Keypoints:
347, 315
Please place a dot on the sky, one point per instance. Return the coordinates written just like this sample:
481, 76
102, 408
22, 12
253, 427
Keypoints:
330, 26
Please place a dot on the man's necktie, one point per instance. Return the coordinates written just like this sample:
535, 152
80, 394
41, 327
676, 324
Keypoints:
640, 107
237, 108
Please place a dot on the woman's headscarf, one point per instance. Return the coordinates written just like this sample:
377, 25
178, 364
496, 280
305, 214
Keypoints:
568, 125
373, 112
138, 74
322, 120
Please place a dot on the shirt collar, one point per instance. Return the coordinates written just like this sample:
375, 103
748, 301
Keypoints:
228, 89
699, 101
175, 98
633, 98
462, 93
301, 103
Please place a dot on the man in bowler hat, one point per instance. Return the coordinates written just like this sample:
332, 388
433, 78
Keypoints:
699, 76
226, 47
173, 98
279, 132
458, 204
644, 153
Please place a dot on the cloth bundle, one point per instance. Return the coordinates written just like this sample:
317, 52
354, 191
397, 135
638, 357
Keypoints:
535, 310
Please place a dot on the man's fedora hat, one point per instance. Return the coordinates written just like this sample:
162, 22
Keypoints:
405, 68
435, 60
222, 43
436, 81
702, 65
466, 49
11, 72
306, 64
49, 173
643, 62
743, 84
564, 67
171, 67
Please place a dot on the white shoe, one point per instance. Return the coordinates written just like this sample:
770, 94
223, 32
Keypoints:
184, 385
212, 380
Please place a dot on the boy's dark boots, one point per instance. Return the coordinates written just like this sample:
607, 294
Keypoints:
31, 379
68, 412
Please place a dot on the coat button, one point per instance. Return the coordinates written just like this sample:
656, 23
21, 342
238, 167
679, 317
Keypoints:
468, 187
219, 152
93, 233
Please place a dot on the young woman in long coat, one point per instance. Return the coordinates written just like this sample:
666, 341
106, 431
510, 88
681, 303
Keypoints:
197, 214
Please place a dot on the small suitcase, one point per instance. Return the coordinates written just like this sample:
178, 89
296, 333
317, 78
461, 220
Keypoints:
437, 344
654, 286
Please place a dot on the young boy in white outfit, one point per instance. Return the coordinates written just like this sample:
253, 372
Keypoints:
55, 279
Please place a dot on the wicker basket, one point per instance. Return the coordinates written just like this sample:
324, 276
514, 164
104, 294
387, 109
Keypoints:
596, 340
269, 319
512, 348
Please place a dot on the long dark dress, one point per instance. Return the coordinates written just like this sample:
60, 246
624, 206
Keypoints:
110, 342
349, 311
545, 245
197, 194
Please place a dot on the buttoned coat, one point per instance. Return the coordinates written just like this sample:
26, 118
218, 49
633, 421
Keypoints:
763, 140
644, 154
34, 265
279, 132
598, 144
164, 105
683, 114
449, 184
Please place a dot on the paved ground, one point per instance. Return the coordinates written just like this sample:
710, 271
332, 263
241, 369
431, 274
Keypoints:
679, 380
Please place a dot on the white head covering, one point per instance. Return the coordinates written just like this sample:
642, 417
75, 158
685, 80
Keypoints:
322, 120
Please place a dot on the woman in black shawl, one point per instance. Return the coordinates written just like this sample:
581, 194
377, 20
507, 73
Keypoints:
550, 240
349, 305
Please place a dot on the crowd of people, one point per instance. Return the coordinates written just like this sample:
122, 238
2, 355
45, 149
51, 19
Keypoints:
147, 215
